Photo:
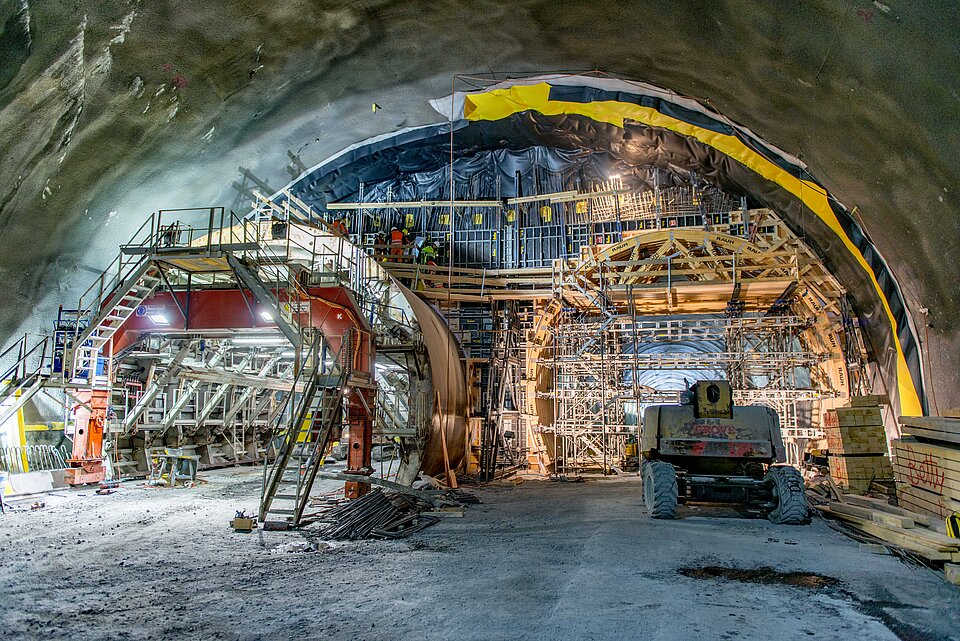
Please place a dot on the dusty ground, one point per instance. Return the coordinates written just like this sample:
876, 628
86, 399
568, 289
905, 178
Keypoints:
538, 561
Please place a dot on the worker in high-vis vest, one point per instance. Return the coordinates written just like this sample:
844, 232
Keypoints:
396, 243
339, 226
428, 253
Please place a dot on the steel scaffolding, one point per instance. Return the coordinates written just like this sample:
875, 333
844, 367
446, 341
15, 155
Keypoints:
598, 360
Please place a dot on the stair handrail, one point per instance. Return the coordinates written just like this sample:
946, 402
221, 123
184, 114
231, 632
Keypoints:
19, 345
130, 256
21, 364
272, 472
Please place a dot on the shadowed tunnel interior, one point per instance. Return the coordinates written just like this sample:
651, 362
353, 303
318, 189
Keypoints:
134, 107
505, 379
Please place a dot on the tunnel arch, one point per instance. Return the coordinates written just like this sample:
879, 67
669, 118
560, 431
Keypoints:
630, 124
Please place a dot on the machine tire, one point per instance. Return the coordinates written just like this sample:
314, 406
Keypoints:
660, 489
789, 494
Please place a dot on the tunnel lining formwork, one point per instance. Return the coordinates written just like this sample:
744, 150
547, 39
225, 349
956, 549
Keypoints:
627, 124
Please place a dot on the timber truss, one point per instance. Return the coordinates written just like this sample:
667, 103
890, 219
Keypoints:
738, 296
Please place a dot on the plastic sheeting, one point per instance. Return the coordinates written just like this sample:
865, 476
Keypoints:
600, 124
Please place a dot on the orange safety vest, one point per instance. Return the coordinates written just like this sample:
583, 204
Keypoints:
396, 237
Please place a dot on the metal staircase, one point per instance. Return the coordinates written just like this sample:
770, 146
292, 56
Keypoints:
313, 421
107, 310
248, 278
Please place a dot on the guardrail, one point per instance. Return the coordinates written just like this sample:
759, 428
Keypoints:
31, 364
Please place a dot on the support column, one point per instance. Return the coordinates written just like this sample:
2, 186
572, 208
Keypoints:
359, 409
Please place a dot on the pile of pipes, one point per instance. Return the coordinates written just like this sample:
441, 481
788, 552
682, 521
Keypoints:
376, 515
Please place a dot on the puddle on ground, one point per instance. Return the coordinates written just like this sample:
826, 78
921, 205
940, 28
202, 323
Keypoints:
765, 575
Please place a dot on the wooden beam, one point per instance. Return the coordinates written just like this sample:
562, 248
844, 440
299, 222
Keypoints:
415, 204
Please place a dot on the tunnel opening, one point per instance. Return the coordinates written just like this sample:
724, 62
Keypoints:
597, 245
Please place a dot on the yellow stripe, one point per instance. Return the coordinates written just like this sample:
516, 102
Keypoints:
501, 103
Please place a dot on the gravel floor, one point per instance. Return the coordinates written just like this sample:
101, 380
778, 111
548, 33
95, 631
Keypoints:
539, 560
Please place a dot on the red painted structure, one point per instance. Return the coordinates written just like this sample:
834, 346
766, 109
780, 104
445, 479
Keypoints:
332, 310
86, 461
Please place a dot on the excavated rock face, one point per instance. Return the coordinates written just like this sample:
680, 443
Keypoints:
111, 109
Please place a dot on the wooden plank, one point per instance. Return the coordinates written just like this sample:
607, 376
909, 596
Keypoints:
856, 440
946, 429
943, 482
919, 500
856, 473
876, 516
932, 435
558, 196
929, 467
881, 505
853, 416
927, 544
947, 492
945, 451
951, 573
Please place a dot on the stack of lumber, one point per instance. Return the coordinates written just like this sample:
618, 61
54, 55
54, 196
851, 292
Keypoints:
927, 465
915, 533
857, 444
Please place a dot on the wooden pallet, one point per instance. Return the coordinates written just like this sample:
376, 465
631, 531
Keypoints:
856, 440
870, 400
856, 473
855, 430
917, 500
928, 475
932, 468
853, 417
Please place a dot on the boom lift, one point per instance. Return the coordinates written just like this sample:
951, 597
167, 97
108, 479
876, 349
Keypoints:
708, 449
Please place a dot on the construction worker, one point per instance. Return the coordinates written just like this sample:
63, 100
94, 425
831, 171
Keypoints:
397, 241
415, 250
379, 246
428, 253
339, 227
406, 243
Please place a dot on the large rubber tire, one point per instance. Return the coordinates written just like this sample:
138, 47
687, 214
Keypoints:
660, 489
789, 495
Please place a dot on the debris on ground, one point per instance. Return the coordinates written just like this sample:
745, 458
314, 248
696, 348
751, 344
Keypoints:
917, 538
375, 515
561, 478
295, 547
461, 497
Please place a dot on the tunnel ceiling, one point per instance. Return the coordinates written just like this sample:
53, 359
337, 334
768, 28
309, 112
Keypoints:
109, 110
